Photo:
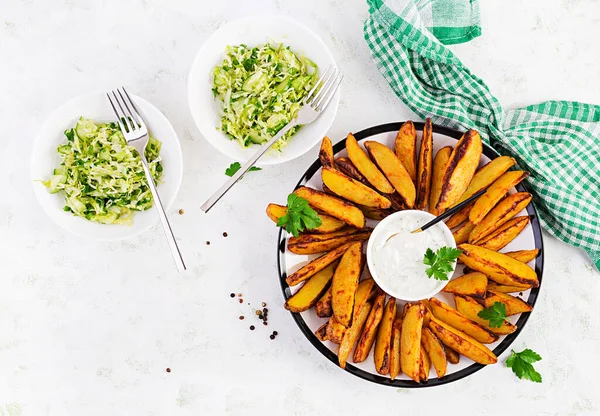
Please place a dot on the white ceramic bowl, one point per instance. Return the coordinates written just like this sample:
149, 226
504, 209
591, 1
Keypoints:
254, 31
382, 230
95, 106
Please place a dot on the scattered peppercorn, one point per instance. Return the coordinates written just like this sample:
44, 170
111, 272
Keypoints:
208, 243
272, 336
275, 333
168, 370
251, 327
239, 295
258, 313
265, 310
224, 234
181, 212
232, 295
241, 317
264, 304
265, 323
241, 300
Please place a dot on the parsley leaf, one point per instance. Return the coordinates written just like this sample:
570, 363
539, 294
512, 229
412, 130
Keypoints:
235, 166
440, 262
299, 217
520, 363
496, 314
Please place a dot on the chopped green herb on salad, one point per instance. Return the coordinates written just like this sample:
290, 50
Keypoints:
260, 90
101, 176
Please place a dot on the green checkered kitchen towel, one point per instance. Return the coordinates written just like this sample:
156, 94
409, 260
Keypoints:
557, 141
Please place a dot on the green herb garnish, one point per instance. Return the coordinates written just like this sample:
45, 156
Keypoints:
520, 363
235, 166
440, 262
299, 217
496, 314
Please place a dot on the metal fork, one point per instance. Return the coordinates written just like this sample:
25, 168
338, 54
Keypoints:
136, 134
312, 106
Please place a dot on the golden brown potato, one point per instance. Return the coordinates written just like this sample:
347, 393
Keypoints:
314, 238
321, 333
428, 311
333, 206
523, 255
395, 347
345, 282
497, 266
326, 153
316, 265
425, 166
457, 320
435, 350
410, 341
460, 216
513, 304
439, 168
394, 171
405, 147
452, 356
352, 190
470, 308
365, 342
398, 203
424, 365
486, 175
471, 284
367, 168
335, 330
352, 333
460, 169
323, 305
462, 343
364, 293
384, 338
499, 215
320, 246
494, 194
506, 288
345, 165
375, 213
461, 235
502, 236
311, 291
328, 223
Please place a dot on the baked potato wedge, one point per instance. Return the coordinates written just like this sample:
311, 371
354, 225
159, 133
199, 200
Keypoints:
439, 168
398, 202
395, 347
471, 284
494, 194
311, 291
394, 171
316, 265
424, 365
457, 320
335, 330
336, 207
499, 215
410, 341
353, 190
470, 308
352, 333
428, 311
460, 216
435, 350
497, 266
514, 305
384, 338
314, 238
366, 167
367, 338
323, 306
452, 356
500, 238
524, 255
405, 147
321, 332
461, 234
460, 170
487, 174
326, 153
328, 223
305, 246
345, 283
424, 166
462, 343
345, 165
375, 213
505, 288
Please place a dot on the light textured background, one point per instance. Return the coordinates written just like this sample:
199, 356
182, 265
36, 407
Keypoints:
88, 328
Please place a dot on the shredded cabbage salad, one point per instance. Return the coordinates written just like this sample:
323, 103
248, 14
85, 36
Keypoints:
260, 90
101, 176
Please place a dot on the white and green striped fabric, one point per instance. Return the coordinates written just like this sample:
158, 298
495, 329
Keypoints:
557, 141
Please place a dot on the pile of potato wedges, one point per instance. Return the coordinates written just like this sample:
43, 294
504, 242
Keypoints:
371, 183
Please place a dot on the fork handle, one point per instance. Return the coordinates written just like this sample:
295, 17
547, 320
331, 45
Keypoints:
238, 175
163, 219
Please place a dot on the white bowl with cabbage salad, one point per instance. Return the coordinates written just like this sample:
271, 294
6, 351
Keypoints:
248, 81
90, 181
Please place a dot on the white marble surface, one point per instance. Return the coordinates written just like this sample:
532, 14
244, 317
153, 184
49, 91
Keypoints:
89, 328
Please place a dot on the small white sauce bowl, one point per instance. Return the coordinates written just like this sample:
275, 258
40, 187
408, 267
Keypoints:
384, 228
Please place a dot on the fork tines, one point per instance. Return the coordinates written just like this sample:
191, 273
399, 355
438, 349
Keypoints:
128, 116
324, 89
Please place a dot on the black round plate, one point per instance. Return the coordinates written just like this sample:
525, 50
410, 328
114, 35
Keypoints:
508, 339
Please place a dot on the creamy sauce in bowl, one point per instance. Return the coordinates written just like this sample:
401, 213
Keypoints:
395, 256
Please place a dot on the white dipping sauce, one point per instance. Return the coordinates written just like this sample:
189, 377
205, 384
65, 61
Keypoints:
395, 256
